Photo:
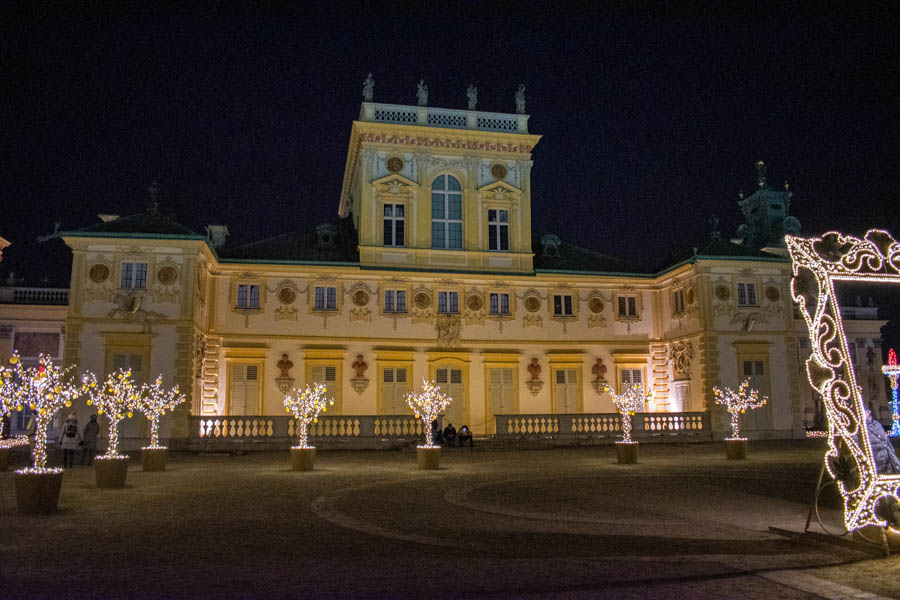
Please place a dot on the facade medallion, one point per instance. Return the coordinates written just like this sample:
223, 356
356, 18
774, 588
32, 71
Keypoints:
532, 304
422, 300
474, 303
287, 295
722, 292
99, 273
498, 171
360, 297
167, 275
394, 164
772, 293
596, 305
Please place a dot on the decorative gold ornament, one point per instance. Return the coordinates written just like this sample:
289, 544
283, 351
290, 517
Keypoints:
99, 273
394, 164
167, 275
474, 303
499, 171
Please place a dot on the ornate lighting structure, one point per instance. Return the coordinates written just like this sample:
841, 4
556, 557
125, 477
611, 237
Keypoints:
306, 404
817, 264
892, 370
427, 406
117, 397
154, 402
631, 400
738, 402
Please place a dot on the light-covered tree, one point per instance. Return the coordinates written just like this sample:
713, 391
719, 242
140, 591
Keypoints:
738, 402
44, 388
306, 404
7, 397
155, 401
631, 400
428, 405
118, 397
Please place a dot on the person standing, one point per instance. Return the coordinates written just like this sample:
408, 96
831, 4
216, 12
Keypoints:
89, 441
68, 440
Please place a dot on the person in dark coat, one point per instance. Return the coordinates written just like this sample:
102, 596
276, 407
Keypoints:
450, 437
89, 441
465, 435
437, 436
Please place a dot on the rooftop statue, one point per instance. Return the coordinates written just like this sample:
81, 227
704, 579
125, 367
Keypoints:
520, 99
422, 93
472, 95
368, 88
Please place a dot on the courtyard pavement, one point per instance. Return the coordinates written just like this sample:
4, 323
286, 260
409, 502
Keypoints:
551, 523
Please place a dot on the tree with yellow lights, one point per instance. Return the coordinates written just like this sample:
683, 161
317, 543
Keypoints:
154, 401
45, 389
631, 400
7, 399
738, 402
306, 404
428, 405
117, 397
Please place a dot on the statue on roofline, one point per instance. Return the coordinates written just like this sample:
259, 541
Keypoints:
472, 95
520, 99
368, 88
422, 93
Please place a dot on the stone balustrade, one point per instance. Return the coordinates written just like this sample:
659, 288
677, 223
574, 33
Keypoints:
644, 425
34, 295
443, 117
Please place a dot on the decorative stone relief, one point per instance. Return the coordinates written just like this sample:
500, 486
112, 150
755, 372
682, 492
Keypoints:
128, 307
534, 384
596, 303
284, 380
359, 380
167, 288
599, 382
448, 328
99, 287
360, 296
474, 310
723, 304
771, 298
422, 311
680, 355
199, 355
442, 162
531, 300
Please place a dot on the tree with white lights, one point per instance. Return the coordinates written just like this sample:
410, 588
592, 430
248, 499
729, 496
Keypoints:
45, 389
118, 396
631, 400
154, 401
738, 402
306, 404
427, 405
7, 399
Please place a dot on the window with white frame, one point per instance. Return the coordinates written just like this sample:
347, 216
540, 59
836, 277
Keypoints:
394, 225
134, 275
678, 302
244, 392
448, 302
629, 377
746, 294
682, 400
627, 306
247, 296
446, 213
394, 385
563, 305
499, 304
498, 230
395, 301
325, 298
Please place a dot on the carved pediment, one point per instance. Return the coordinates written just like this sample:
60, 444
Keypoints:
395, 185
500, 190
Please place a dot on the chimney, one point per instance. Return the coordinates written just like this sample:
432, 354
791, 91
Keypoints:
217, 234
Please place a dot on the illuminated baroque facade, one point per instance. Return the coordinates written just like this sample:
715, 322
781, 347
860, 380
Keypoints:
433, 272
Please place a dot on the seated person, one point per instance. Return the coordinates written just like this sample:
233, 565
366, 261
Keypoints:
465, 435
436, 435
450, 437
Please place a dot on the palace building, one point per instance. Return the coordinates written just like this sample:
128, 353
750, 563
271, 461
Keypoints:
435, 271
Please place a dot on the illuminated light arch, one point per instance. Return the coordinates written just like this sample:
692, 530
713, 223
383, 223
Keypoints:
817, 264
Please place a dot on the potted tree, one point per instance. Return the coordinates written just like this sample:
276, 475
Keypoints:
630, 401
427, 405
738, 402
306, 404
44, 388
154, 402
117, 397
7, 404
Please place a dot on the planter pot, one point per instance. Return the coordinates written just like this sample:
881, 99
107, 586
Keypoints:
154, 459
303, 459
627, 453
736, 449
4, 459
428, 458
38, 493
111, 472
873, 533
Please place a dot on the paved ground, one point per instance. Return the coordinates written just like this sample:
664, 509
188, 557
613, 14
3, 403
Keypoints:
560, 523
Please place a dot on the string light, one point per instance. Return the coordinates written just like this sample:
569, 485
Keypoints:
631, 400
45, 389
817, 264
7, 401
306, 404
892, 371
117, 397
738, 402
154, 401
427, 405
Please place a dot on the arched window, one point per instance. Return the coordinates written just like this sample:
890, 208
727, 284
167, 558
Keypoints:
446, 213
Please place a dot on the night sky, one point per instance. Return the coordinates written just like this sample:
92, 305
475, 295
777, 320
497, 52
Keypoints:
651, 122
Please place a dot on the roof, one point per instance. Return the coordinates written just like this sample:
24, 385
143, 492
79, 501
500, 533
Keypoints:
149, 222
719, 248
300, 246
570, 258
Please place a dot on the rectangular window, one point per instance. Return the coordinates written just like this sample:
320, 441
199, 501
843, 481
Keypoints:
448, 302
678, 302
395, 301
394, 225
630, 377
746, 294
682, 398
248, 296
562, 305
498, 230
325, 298
134, 275
499, 304
450, 381
324, 374
126, 361
627, 306
446, 213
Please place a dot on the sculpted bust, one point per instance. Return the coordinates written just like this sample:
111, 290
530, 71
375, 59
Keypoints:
285, 365
599, 370
359, 366
535, 370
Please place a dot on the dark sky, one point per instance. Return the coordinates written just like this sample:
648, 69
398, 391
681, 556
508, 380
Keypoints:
651, 122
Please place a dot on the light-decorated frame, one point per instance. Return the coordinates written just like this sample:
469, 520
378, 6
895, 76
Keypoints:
817, 264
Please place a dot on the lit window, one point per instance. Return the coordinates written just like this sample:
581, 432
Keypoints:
627, 306
746, 294
446, 213
395, 301
448, 302
394, 225
499, 304
325, 298
562, 305
248, 296
498, 230
134, 275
